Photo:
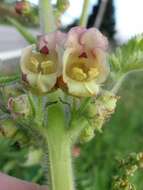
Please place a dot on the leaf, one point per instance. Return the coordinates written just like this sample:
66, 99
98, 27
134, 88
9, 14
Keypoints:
128, 57
8, 79
23, 31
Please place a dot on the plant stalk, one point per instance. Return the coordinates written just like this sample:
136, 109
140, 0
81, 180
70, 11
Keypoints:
58, 151
47, 20
59, 162
84, 15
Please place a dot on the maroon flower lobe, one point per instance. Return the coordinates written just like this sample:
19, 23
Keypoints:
83, 55
44, 50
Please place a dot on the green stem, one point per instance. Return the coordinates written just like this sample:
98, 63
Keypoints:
84, 15
58, 148
47, 20
22, 30
60, 169
118, 84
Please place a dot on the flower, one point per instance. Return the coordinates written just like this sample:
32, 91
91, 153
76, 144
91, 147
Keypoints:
42, 65
22, 7
19, 106
84, 61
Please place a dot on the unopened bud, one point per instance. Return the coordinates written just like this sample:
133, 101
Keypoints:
22, 7
7, 128
97, 123
110, 101
19, 106
87, 134
103, 106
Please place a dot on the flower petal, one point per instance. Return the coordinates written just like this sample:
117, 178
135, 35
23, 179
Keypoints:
74, 35
51, 40
93, 38
102, 65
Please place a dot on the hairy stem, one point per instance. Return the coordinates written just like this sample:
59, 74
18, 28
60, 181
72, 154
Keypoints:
60, 175
47, 20
58, 150
84, 15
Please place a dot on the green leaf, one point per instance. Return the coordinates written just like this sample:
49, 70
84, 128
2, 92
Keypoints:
128, 57
23, 31
8, 79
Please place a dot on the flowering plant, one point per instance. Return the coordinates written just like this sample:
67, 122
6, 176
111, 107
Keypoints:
67, 89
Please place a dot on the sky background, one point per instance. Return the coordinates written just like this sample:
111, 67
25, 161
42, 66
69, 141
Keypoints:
129, 16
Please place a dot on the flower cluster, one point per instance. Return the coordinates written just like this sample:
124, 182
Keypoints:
98, 111
102, 109
127, 168
74, 62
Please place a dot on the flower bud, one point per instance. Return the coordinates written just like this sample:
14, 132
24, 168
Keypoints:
7, 128
106, 104
87, 134
22, 7
101, 109
97, 123
103, 106
19, 106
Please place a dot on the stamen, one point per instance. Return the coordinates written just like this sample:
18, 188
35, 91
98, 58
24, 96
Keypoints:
47, 67
33, 65
78, 74
93, 73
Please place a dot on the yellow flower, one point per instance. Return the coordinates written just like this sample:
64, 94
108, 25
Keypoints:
40, 67
84, 61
